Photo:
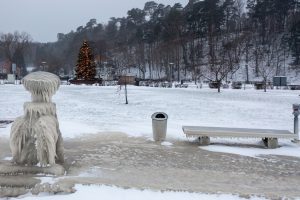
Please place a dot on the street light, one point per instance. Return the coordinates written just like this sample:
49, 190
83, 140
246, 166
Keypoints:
14, 70
171, 71
125, 79
43, 65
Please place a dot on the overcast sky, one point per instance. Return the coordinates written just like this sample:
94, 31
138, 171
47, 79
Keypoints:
43, 19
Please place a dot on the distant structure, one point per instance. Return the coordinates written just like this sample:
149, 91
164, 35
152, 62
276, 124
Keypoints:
127, 80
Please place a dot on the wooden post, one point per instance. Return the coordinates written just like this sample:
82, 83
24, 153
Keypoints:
126, 100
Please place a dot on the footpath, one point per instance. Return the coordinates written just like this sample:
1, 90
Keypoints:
116, 159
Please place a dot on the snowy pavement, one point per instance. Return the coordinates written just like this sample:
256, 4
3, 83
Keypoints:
114, 159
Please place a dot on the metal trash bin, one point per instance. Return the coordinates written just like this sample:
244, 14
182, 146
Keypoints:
296, 109
159, 126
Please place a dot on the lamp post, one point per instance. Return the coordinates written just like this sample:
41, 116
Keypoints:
43, 65
124, 81
14, 69
296, 109
171, 72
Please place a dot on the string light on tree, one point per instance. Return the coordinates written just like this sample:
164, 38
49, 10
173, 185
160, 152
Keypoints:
86, 66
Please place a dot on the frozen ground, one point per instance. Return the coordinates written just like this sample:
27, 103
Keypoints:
85, 110
114, 159
115, 193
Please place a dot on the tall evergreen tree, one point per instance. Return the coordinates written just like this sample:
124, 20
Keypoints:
85, 67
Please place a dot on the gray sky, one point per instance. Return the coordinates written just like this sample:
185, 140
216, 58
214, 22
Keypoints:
43, 19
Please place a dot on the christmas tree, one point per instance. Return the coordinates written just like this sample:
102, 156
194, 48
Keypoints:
85, 67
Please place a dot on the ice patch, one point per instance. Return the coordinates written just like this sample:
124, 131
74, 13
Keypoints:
49, 180
72, 129
285, 150
5, 132
7, 158
92, 172
166, 143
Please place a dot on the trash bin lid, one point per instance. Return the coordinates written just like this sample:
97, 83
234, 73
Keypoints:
159, 116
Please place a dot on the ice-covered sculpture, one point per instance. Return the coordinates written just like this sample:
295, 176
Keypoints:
35, 138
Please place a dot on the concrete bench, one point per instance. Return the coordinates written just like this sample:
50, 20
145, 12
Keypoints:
269, 136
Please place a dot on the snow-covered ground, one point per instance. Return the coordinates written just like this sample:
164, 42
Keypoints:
115, 193
93, 109
85, 109
103, 109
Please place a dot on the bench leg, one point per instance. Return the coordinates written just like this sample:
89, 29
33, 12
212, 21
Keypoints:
204, 140
271, 143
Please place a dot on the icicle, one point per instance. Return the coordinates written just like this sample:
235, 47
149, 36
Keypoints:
41, 85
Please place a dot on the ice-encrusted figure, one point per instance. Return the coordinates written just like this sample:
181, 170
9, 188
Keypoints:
35, 138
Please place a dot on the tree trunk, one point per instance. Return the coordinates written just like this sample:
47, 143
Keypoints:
246, 66
247, 74
185, 58
256, 66
265, 85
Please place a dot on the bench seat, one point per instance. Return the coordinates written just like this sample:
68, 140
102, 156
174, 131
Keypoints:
269, 136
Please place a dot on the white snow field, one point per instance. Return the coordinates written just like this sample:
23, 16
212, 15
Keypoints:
93, 109
86, 109
115, 193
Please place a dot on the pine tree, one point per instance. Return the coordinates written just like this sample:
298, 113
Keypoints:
295, 42
85, 67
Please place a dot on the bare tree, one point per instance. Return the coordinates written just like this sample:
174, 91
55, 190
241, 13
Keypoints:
266, 57
13, 44
224, 58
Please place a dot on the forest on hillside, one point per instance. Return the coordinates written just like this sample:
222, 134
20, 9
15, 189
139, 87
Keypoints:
208, 39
